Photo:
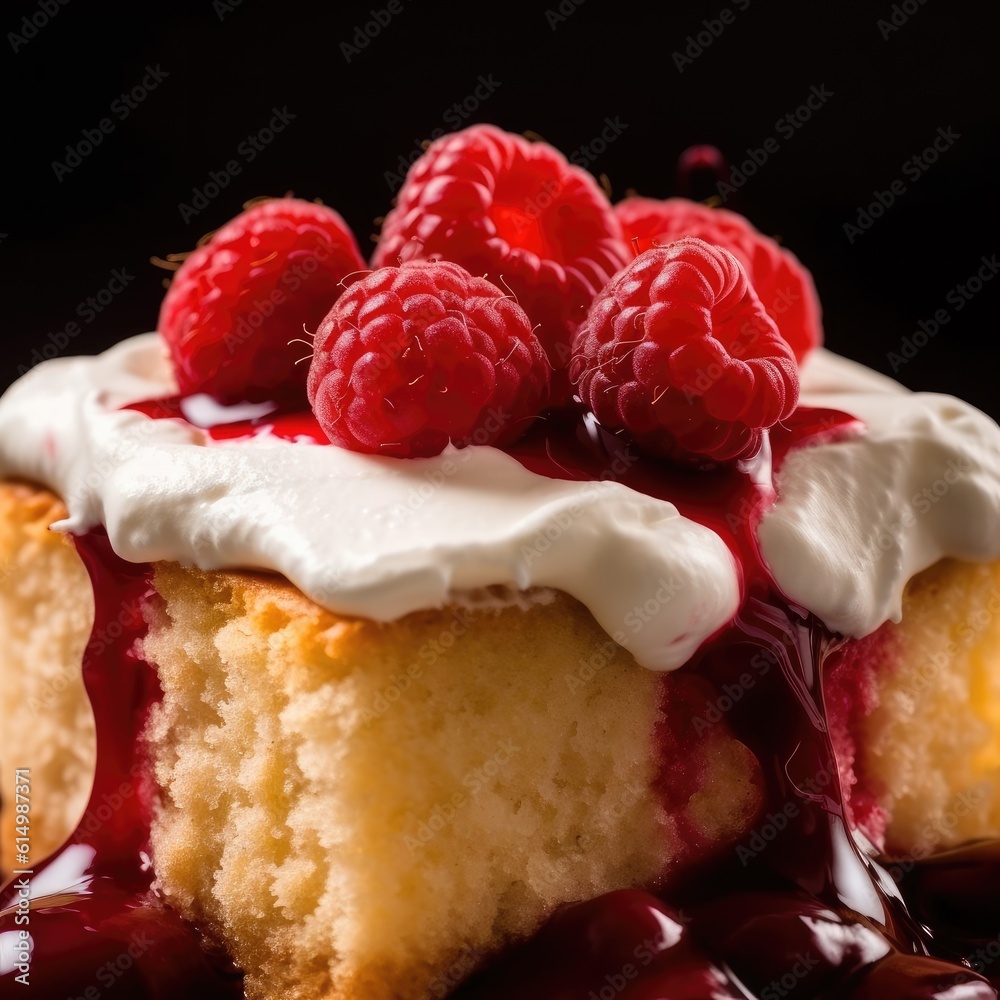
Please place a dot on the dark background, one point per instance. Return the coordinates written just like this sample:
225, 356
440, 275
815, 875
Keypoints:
559, 70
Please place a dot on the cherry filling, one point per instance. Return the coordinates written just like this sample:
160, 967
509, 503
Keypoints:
797, 908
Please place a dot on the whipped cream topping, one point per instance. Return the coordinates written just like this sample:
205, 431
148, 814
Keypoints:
381, 537
856, 519
359, 534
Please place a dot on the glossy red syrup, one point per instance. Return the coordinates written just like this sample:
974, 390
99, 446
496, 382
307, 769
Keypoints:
797, 908
96, 928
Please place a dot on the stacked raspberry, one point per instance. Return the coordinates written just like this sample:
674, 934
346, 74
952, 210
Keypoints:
519, 214
679, 351
417, 356
237, 305
501, 284
783, 285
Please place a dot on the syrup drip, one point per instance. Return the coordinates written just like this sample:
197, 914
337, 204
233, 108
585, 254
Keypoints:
799, 908
94, 923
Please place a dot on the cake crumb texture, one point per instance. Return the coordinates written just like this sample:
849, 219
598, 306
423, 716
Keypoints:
46, 614
359, 809
931, 746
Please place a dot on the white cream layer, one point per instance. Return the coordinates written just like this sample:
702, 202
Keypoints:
383, 537
856, 520
361, 535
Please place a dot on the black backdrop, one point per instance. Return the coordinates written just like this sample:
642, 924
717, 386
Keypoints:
180, 87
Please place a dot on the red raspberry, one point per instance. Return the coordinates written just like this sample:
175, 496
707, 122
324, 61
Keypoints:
237, 302
415, 356
782, 284
519, 214
679, 350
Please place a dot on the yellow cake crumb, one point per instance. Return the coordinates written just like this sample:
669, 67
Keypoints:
357, 808
932, 746
46, 614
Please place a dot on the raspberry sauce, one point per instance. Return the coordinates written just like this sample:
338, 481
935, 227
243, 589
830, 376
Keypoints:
799, 907
94, 923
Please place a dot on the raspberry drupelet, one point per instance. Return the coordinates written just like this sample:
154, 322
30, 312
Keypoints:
417, 356
679, 351
519, 214
238, 303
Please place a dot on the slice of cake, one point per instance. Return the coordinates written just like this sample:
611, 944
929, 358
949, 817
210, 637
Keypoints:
456, 774
689, 688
